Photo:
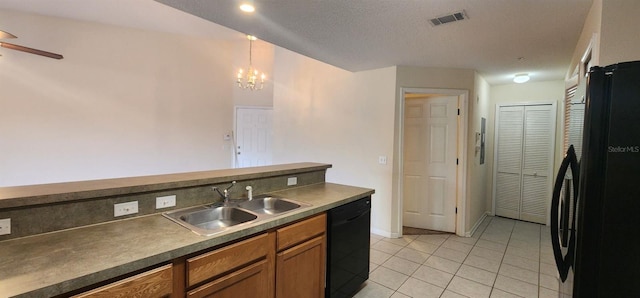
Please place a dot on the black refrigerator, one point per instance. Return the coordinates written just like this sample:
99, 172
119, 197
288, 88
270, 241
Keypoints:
595, 216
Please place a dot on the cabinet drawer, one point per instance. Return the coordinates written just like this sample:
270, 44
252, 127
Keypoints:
212, 264
251, 281
153, 283
302, 231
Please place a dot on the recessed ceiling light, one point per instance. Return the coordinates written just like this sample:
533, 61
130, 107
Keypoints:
521, 78
247, 6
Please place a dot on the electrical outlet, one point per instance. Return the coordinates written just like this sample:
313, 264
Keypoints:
125, 208
382, 160
165, 202
292, 181
5, 226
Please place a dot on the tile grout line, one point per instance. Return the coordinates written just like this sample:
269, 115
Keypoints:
462, 263
522, 235
502, 260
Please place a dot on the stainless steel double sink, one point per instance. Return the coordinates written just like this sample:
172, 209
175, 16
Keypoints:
217, 218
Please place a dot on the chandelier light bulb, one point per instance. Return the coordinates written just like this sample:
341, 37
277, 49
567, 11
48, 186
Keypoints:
250, 79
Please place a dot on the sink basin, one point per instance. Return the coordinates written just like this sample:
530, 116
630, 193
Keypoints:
269, 205
209, 221
213, 219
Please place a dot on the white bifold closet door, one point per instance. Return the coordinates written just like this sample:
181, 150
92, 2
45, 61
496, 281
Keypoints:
524, 161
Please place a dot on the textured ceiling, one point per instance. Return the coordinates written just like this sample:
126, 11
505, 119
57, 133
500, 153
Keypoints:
367, 34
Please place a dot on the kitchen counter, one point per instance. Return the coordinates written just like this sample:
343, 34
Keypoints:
55, 263
21, 196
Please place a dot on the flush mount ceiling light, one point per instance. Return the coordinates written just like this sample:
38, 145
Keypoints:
247, 6
249, 79
521, 78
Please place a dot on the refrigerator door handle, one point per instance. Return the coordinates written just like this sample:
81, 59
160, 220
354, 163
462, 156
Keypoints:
561, 262
564, 217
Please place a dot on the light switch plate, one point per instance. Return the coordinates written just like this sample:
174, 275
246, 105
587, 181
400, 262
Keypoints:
292, 181
165, 202
125, 208
5, 226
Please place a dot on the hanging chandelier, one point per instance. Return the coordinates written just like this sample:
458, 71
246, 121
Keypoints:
249, 79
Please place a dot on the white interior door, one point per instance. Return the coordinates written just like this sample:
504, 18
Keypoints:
537, 160
510, 127
253, 137
524, 161
429, 178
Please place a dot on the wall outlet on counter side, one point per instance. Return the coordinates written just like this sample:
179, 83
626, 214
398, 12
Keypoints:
292, 181
165, 202
5, 226
125, 208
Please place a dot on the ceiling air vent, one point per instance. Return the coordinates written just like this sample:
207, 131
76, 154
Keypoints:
454, 17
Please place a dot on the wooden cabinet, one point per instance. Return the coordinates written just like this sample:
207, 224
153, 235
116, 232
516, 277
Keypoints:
251, 268
153, 283
284, 262
300, 261
243, 269
251, 281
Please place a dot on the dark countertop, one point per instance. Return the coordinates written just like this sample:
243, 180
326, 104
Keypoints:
58, 262
21, 196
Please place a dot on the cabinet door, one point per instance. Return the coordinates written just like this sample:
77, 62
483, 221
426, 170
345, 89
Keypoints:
154, 283
251, 281
300, 270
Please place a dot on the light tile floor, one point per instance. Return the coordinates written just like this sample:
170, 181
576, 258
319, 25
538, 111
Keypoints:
504, 258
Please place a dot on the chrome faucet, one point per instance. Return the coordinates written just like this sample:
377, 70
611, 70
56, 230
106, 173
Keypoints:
249, 192
225, 193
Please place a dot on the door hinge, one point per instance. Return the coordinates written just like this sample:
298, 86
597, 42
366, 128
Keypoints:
457, 161
456, 210
458, 111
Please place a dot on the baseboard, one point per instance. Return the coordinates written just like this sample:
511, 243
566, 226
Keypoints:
384, 233
476, 225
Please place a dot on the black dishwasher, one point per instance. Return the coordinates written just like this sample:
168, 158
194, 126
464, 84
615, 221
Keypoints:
348, 248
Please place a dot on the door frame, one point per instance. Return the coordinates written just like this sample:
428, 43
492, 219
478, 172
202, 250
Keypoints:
234, 137
552, 160
461, 172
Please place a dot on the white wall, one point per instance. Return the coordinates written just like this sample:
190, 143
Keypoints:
481, 203
122, 102
590, 36
612, 28
531, 92
446, 78
619, 40
326, 114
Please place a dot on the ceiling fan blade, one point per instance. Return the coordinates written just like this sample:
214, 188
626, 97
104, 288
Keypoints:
30, 50
6, 35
